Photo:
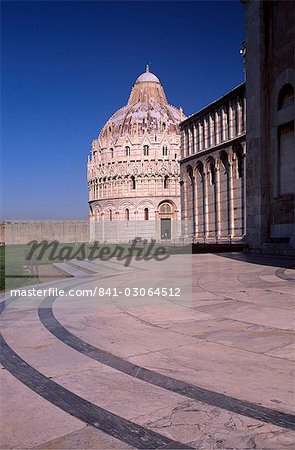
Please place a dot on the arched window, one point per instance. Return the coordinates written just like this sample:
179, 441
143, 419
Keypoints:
127, 215
146, 150
286, 96
166, 182
127, 150
165, 150
146, 214
133, 182
212, 173
163, 126
224, 159
111, 215
200, 170
239, 162
285, 168
112, 153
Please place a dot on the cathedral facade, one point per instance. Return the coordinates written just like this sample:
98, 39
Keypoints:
212, 169
133, 171
270, 86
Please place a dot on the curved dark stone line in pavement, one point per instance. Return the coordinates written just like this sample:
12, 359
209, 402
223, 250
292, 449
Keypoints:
213, 398
111, 424
280, 273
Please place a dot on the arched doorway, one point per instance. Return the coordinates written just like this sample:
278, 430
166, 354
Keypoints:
166, 214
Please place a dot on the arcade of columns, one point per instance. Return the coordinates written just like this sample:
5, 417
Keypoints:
212, 170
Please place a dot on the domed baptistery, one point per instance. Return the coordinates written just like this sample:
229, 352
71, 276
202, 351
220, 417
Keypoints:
133, 171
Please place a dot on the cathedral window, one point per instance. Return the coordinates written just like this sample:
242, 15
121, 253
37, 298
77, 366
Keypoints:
112, 153
111, 215
285, 170
133, 182
146, 150
146, 214
127, 215
286, 96
212, 173
165, 150
127, 150
166, 182
163, 126
239, 162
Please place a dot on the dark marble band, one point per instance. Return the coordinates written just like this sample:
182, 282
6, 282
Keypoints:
281, 273
223, 401
111, 424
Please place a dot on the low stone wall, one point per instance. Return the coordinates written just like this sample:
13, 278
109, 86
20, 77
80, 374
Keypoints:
22, 232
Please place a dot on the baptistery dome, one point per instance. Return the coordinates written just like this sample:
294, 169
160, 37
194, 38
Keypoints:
133, 171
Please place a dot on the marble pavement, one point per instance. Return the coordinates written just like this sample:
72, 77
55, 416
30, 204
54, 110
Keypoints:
211, 368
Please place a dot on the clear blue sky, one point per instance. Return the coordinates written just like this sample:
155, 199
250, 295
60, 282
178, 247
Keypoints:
69, 65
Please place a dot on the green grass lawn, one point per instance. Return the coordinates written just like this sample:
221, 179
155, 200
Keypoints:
16, 271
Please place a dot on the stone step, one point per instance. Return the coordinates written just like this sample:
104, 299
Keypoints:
86, 266
69, 270
111, 265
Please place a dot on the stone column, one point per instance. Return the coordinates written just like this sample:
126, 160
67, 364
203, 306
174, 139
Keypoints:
231, 195
206, 131
217, 128
217, 200
224, 124
244, 189
195, 147
185, 218
102, 227
231, 120
200, 136
205, 202
195, 211
211, 130
197, 144
117, 219
188, 141
193, 205
183, 206
182, 144
191, 147
135, 218
239, 112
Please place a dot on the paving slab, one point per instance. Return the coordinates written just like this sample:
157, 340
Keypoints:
27, 420
239, 373
285, 352
207, 428
86, 438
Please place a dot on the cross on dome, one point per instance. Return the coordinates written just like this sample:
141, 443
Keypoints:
147, 76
